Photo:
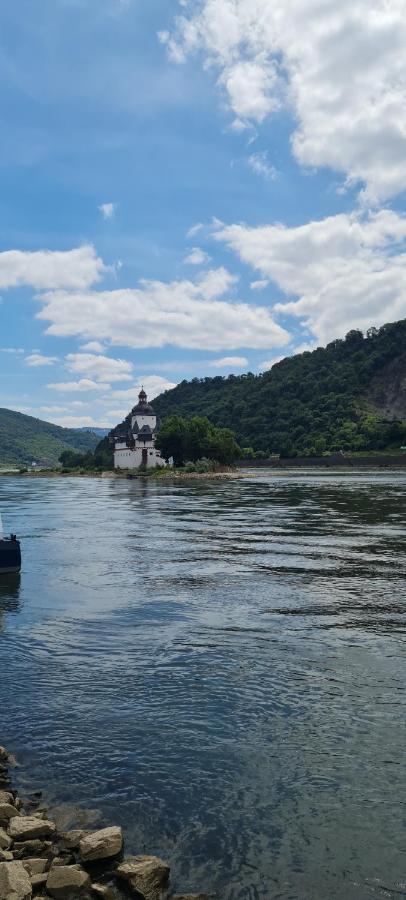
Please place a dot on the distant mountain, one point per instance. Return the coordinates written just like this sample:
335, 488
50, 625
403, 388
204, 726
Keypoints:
101, 432
24, 439
350, 395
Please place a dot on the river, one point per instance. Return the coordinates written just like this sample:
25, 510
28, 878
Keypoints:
220, 668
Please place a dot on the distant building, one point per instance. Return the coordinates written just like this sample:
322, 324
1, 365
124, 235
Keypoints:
134, 442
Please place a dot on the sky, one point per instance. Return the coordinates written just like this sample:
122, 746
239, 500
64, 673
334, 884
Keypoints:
191, 188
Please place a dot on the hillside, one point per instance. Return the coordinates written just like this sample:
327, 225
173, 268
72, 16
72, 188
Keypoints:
24, 439
350, 395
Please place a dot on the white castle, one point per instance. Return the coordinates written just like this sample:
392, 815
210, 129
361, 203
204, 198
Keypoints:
134, 441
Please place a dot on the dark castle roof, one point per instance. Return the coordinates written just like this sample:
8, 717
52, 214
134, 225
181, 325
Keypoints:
142, 408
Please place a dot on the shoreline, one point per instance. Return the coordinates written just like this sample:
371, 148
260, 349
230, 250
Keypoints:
38, 860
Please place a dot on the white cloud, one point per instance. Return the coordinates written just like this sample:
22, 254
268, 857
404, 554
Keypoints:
37, 359
13, 350
51, 269
269, 363
197, 257
84, 384
77, 422
259, 285
183, 313
229, 362
100, 368
346, 271
195, 229
107, 210
93, 347
338, 68
152, 384
260, 164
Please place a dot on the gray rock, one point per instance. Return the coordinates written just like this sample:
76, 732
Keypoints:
29, 827
39, 880
71, 839
5, 840
145, 875
7, 812
4, 754
14, 882
67, 882
25, 849
6, 856
104, 891
102, 844
36, 866
7, 797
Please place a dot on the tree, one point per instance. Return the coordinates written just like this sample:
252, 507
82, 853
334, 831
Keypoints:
187, 440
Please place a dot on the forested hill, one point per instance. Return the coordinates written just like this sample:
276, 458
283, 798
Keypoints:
24, 439
349, 395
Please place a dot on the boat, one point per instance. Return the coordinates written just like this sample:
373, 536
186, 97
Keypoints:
10, 552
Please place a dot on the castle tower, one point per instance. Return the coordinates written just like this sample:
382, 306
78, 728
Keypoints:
134, 443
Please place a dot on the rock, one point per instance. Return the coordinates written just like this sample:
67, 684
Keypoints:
14, 882
67, 882
64, 860
25, 849
36, 866
102, 844
39, 880
29, 827
71, 839
4, 754
5, 840
6, 856
146, 875
7, 812
104, 891
190, 897
7, 797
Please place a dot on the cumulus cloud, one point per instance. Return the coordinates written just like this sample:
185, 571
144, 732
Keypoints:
339, 69
93, 347
196, 257
345, 271
84, 384
51, 269
185, 313
107, 210
99, 368
259, 163
37, 359
229, 362
152, 384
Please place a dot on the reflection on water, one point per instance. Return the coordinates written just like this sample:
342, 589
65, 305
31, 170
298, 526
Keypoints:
220, 668
9, 595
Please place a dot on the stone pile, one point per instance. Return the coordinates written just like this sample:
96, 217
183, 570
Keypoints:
38, 861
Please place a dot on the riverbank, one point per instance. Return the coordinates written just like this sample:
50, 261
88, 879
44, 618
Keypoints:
156, 474
37, 860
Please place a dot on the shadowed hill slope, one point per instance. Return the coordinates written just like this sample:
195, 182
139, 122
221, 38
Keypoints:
24, 439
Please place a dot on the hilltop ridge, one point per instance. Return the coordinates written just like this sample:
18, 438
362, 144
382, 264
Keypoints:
24, 439
349, 395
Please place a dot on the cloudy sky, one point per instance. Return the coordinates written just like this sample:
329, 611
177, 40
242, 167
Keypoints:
192, 187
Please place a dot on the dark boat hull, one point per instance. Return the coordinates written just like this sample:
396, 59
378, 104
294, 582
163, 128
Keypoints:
10, 556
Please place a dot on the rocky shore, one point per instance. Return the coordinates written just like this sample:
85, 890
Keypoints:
39, 861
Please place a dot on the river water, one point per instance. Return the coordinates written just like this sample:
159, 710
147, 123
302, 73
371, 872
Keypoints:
220, 668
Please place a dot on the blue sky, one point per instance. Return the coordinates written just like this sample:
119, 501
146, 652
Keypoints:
192, 188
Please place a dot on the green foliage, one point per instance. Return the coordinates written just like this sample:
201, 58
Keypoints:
189, 440
309, 402
24, 439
